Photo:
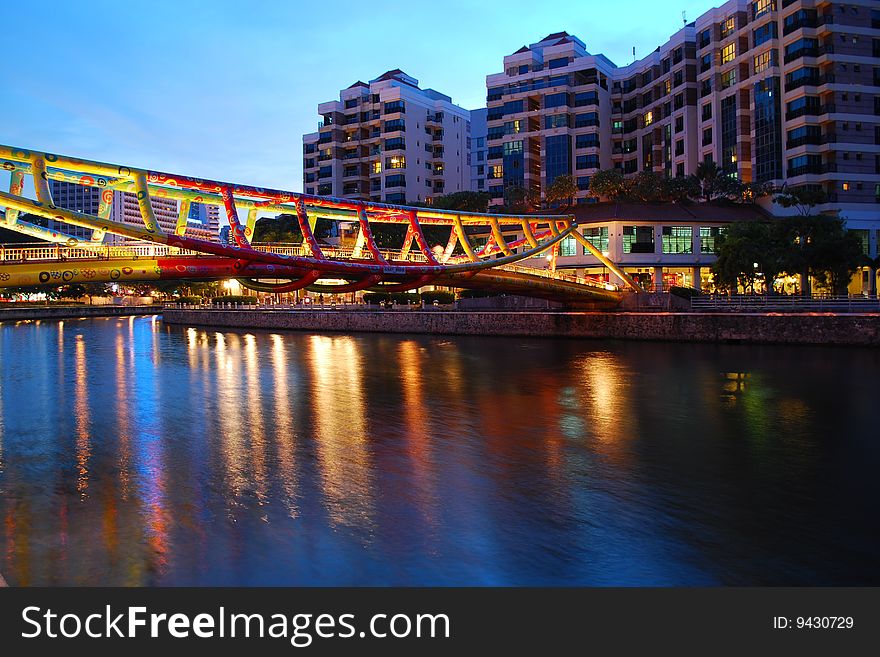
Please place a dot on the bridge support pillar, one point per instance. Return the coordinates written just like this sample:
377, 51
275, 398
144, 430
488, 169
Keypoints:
658, 279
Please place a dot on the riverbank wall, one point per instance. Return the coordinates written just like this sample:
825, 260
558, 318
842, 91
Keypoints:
74, 312
789, 328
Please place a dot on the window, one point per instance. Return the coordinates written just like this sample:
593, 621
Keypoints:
568, 247
395, 144
555, 100
558, 63
763, 61
556, 121
598, 237
586, 120
679, 147
587, 141
514, 127
397, 180
707, 136
677, 239
707, 112
376, 167
764, 34
396, 124
513, 107
709, 238
395, 162
649, 118
638, 239
587, 162
395, 106
706, 62
705, 38
679, 124
513, 147
728, 78
728, 27
728, 53
761, 7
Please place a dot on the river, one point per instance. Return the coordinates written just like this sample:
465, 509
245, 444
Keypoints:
136, 453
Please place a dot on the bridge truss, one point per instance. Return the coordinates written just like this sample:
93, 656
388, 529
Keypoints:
153, 253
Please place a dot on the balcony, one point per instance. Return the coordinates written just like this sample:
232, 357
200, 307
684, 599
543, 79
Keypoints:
811, 140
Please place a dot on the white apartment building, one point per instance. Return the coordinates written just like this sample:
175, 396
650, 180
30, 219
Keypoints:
388, 141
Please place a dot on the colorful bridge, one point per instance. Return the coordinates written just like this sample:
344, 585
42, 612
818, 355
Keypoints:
150, 253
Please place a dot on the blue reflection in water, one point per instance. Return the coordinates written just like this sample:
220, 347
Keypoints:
135, 453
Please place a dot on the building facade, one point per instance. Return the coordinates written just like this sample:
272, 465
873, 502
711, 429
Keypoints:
777, 91
479, 150
388, 141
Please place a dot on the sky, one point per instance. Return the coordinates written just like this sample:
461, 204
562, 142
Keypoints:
226, 89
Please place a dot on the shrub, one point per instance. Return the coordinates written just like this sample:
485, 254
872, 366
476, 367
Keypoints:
233, 298
442, 298
375, 298
190, 301
684, 292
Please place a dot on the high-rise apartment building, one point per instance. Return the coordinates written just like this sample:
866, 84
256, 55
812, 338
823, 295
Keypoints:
388, 141
203, 224
479, 150
781, 91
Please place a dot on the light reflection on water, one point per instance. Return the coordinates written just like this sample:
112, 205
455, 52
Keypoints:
136, 453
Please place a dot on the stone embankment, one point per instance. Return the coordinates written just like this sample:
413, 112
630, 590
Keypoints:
788, 328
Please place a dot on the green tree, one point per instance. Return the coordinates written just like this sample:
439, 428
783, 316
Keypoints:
562, 190
608, 184
802, 199
747, 250
464, 201
681, 189
281, 229
519, 199
820, 247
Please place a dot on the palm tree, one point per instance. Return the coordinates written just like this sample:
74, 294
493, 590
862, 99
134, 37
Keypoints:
707, 175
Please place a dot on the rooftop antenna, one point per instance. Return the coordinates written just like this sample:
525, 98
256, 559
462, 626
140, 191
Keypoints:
634, 53
684, 20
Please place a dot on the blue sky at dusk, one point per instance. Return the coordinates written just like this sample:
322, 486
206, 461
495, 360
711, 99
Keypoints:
226, 89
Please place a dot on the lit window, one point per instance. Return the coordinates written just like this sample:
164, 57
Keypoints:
762, 61
728, 53
496, 171
649, 118
761, 7
846, 186
395, 162
727, 27
376, 167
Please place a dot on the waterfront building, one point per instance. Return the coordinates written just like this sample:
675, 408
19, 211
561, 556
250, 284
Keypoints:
388, 141
479, 150
776, 91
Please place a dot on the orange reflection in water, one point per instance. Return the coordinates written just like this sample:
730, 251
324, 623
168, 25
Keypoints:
604, 388
253, 403
284, 430
340, 429
418, 432
81, 411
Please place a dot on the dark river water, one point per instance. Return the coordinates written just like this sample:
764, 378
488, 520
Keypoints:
135, 453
